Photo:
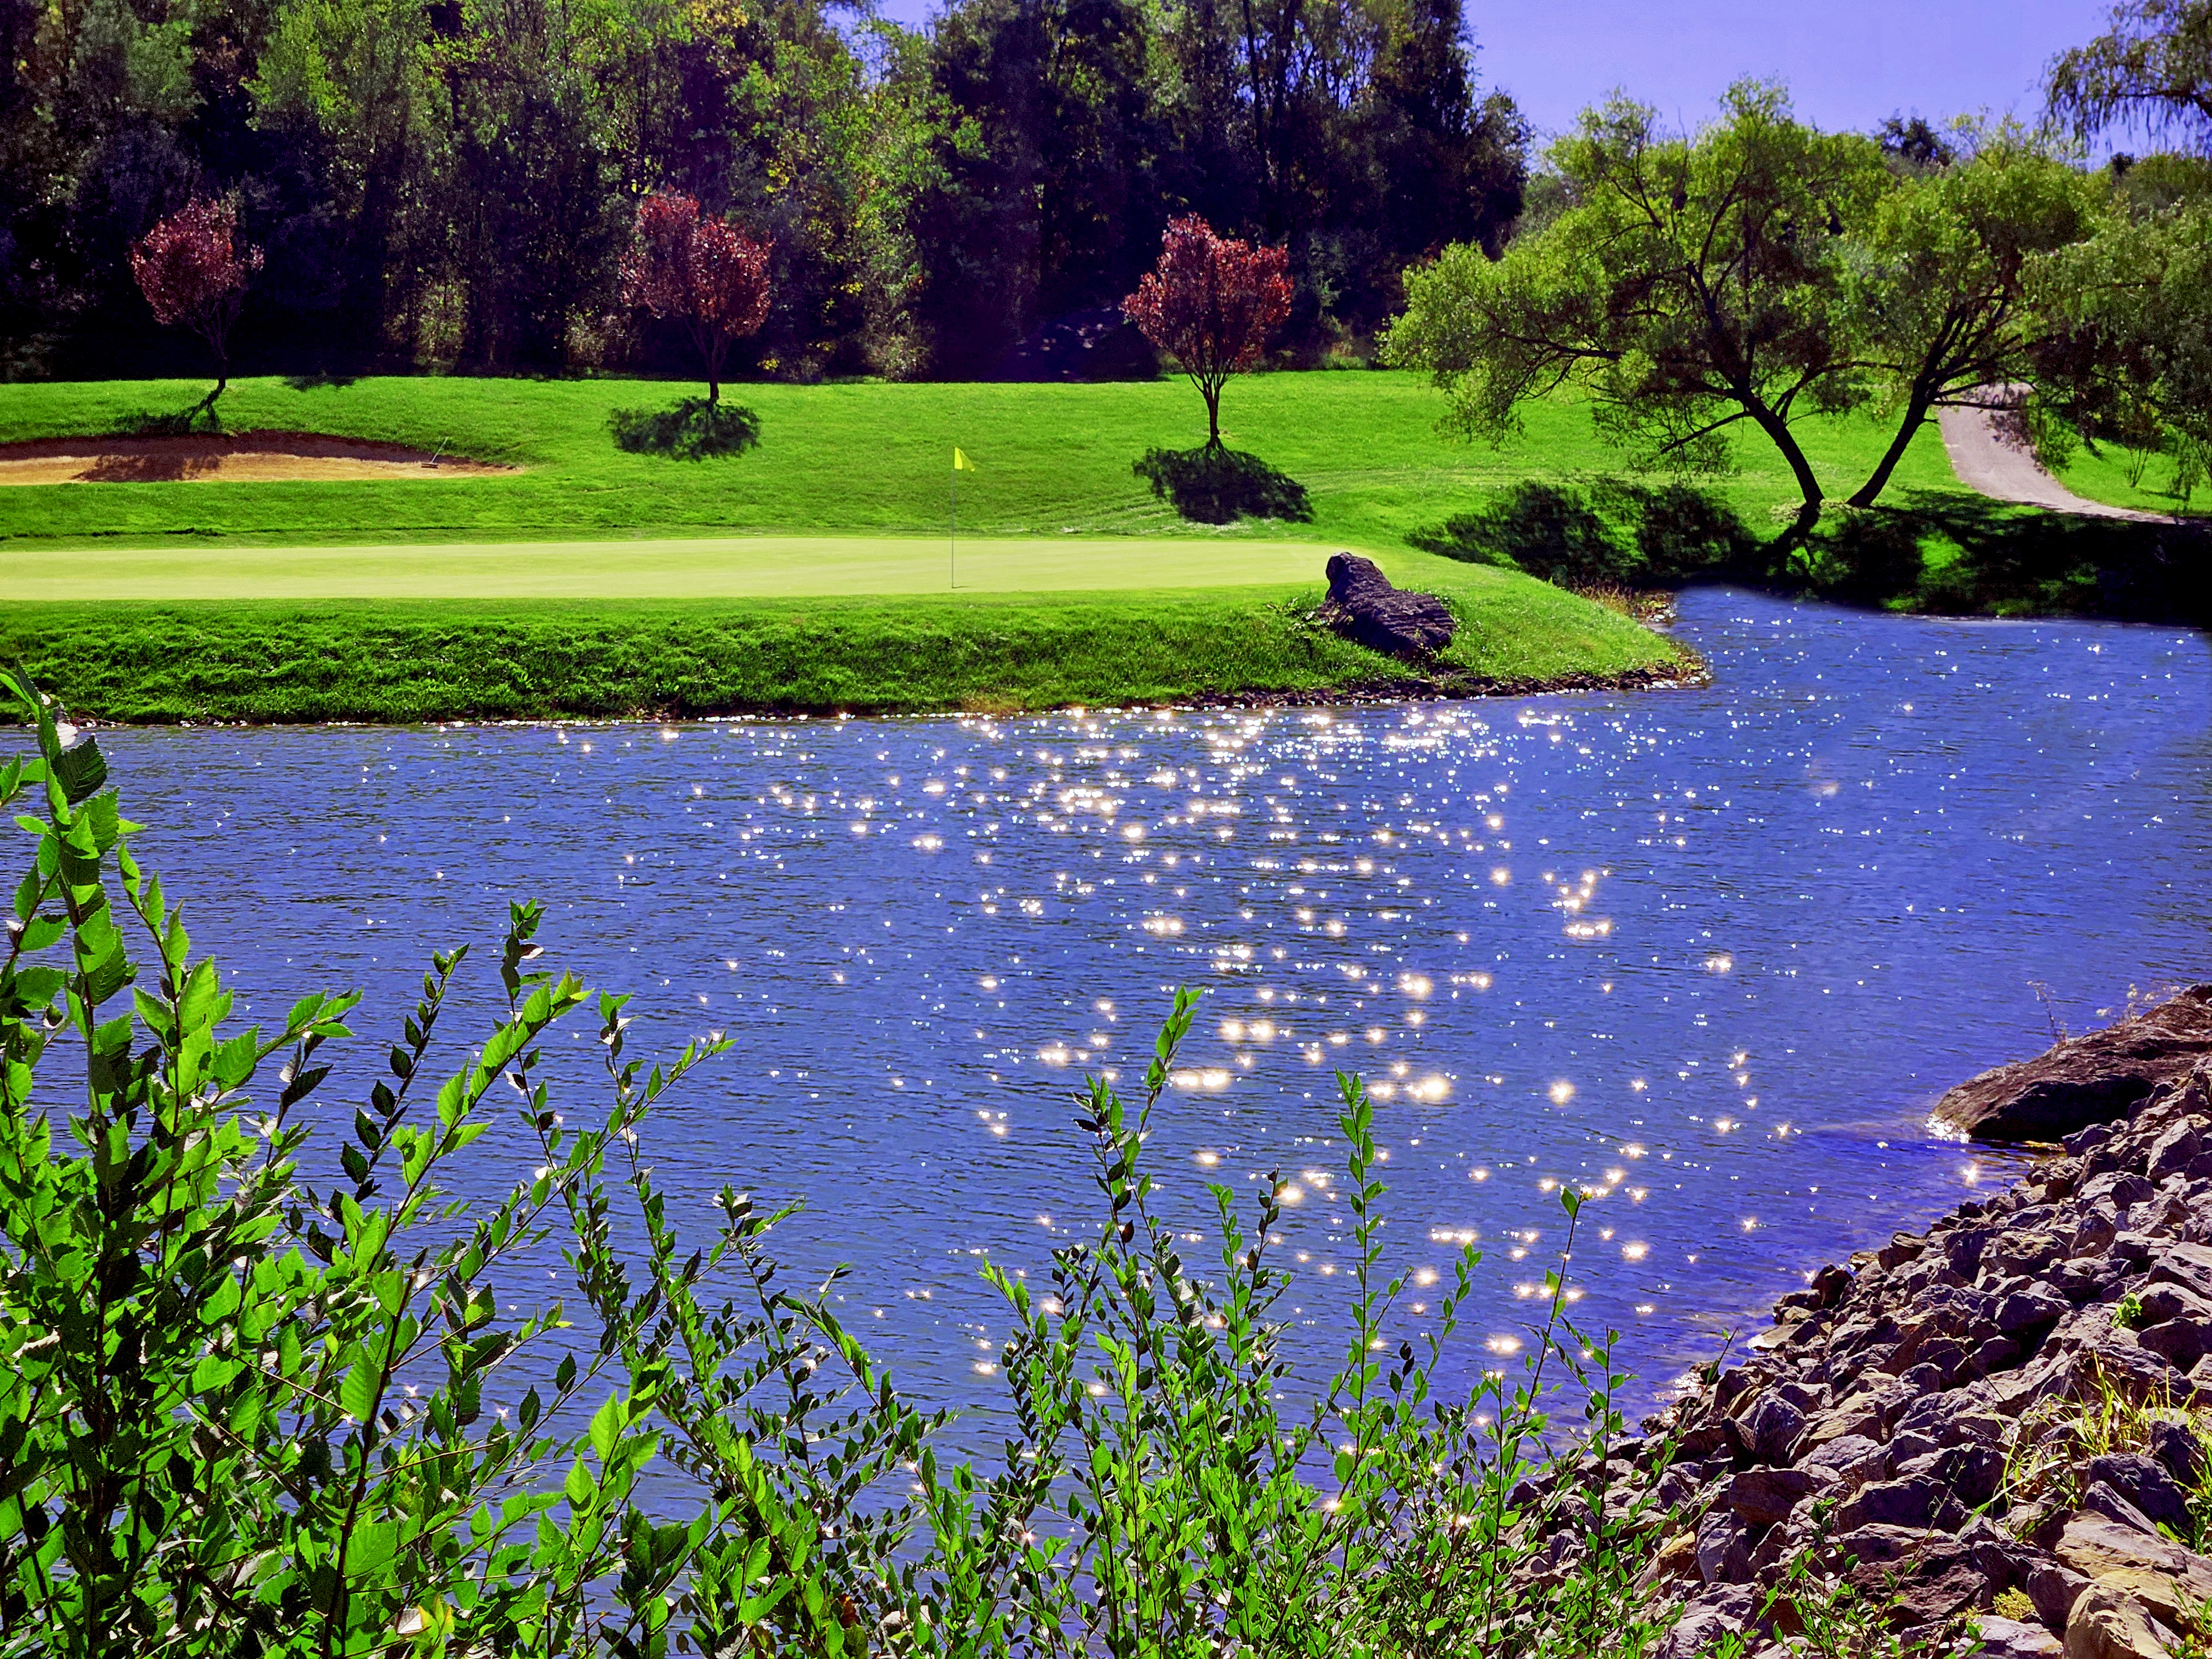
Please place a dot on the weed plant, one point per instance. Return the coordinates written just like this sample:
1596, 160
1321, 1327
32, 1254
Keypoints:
243, 1413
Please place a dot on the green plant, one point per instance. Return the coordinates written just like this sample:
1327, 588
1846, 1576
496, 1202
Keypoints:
244, 1413
2128, 1312
1831, 1616
253, 1404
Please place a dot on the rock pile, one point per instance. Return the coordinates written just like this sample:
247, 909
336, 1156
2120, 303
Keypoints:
1363, 605
1998, 1412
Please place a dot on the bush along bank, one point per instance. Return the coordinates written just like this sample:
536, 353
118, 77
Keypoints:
1987, 1432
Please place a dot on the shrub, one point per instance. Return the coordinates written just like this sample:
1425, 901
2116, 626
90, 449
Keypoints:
246, 1412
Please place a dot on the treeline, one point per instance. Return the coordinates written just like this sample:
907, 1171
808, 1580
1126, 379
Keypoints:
453, 181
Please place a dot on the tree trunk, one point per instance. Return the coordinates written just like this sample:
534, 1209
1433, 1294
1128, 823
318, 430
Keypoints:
1915, 411
1213, 396
1777, 429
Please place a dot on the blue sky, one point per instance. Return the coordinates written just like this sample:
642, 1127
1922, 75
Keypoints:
1849, 64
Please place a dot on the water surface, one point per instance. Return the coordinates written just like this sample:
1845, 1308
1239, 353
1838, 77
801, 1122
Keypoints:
1710, 954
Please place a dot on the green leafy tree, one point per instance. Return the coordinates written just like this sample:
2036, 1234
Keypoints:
1937, 280
1693, 284
2126, 354
2152, 69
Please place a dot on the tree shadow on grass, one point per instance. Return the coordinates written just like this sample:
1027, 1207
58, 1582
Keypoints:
1606, 532
1931, 550
1218, 485
694, 430
200, 418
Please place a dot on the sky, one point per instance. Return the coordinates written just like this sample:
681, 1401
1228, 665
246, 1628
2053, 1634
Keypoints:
1849, 64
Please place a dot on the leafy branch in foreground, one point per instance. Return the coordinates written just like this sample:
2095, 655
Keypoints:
252, 1405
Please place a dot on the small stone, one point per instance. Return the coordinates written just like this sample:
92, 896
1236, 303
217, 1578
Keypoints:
2103, 1499
2173, 1151
2025, 1310
1723, 1549
1770, 1428
1919, 1502
2009, 1638
2146, 1485
2183, 1342
2189, 1265
1762, 1497
2178, 1451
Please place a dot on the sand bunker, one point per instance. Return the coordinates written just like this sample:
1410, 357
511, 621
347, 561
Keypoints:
230, 457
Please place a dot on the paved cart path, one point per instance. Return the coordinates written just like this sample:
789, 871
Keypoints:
1986, 462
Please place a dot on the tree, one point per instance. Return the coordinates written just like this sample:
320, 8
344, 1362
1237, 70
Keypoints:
2126, 354
1939, 277
192, 271
700, 271
1211, 302
2153, 67
1693, 284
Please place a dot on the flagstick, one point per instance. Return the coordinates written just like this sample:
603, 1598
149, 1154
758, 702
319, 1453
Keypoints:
952, 535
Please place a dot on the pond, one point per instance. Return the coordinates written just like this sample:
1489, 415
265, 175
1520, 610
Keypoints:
1712, 953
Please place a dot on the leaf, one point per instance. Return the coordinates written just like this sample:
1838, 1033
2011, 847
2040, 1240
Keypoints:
80, 770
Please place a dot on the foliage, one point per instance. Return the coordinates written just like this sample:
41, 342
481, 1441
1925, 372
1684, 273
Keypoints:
1937, 280
1214, 485
702, 272
243, 1411
2127, 355
694, 430
2152, 69
452, 181
192, 273
1695, 283
249, 1411
1211, 303
1753, 272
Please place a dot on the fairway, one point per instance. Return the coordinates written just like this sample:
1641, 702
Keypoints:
752, 566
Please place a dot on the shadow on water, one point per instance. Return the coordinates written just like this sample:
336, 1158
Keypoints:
1932, 551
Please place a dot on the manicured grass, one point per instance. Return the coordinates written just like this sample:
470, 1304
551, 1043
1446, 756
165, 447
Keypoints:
2101, 475
767, 567
421, 659
863, 458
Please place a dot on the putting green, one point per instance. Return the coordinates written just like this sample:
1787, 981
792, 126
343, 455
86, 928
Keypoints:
753, 567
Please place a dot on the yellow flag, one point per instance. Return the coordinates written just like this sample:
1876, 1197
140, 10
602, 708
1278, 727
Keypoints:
960, 462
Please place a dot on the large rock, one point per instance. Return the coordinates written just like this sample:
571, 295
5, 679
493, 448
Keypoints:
2087, 1079
1362, 605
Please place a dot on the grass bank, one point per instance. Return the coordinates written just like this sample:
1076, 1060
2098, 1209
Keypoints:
402, 660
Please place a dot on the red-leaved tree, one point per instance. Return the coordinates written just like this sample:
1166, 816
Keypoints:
1211, 303
699, 271
192, 271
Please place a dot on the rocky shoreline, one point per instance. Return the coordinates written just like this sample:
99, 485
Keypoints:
1989, 1431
